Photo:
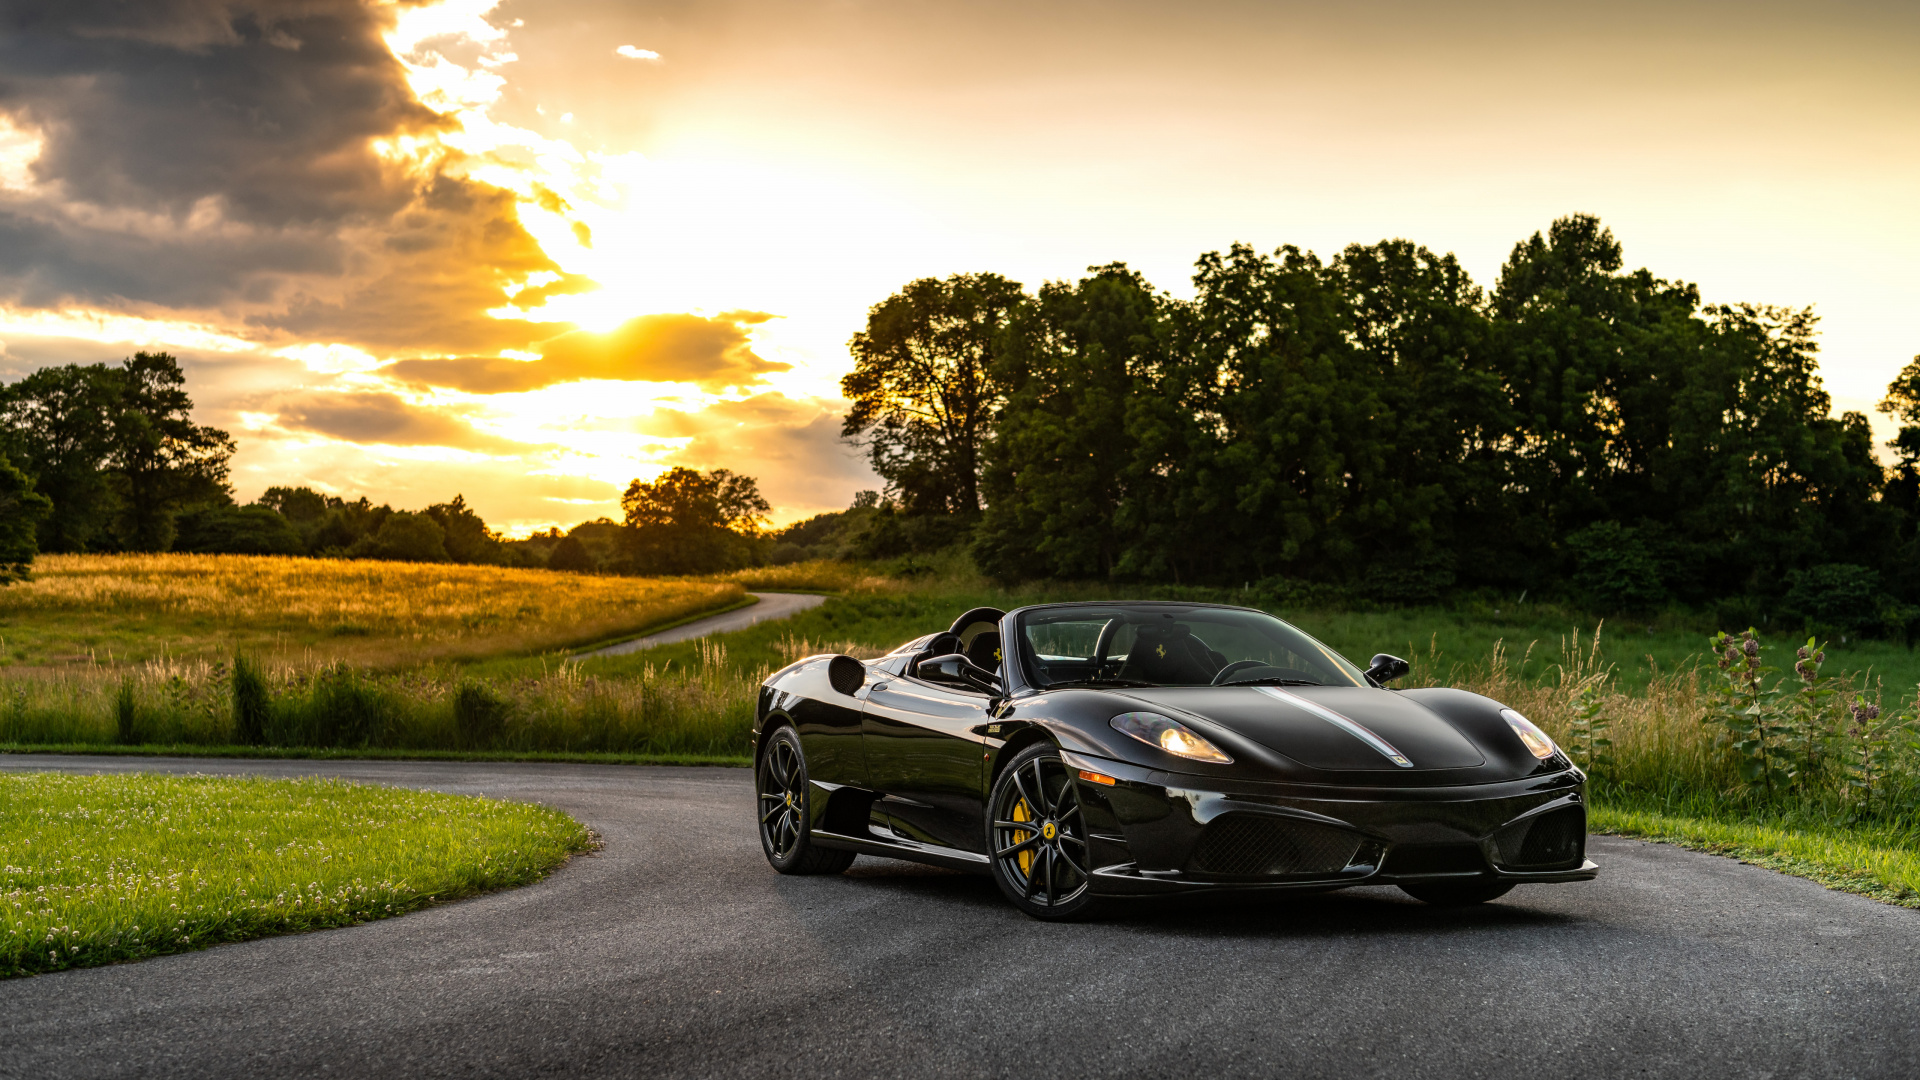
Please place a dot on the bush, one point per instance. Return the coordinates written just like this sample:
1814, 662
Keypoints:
1614, 568
571, 555
404, 537
1837, 597
126, 719
237, 530
479, 716
343, 708
252, 703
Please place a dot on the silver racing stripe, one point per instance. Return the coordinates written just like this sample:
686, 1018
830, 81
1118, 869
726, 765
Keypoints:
1351, 727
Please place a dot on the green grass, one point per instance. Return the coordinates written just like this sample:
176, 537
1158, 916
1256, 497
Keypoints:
100, 869
372, 753
1879, 860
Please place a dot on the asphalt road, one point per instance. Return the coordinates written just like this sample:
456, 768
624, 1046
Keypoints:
771, 605
677, 952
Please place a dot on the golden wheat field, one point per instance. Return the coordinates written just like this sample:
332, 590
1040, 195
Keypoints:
114, 610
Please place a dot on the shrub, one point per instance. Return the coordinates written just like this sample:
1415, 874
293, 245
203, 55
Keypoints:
237, 530
342, 708
1836, 597
570, 554
479, 715
1614, 568
252, 703
126, 720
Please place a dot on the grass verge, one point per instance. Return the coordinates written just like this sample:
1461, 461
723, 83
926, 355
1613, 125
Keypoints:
373, 753
100, 869
1882, 863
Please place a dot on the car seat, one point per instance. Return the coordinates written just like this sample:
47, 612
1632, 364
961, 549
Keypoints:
984, 650
1169, 653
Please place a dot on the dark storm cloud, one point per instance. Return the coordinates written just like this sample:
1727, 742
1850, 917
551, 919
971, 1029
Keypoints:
713, 353
217, 155
266, 104
385, 419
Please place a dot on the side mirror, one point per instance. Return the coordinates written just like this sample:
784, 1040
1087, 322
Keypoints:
846, 674
954, 669
1387, 668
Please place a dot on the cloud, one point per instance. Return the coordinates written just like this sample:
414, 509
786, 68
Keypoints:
632, 53
713, 353
792, 446
385, 419
235, 159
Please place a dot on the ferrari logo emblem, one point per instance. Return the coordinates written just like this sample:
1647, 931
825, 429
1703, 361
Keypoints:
1162, 650
1048, 830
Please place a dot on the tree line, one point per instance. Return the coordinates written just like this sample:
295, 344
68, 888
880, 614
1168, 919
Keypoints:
1378, 425
107, 458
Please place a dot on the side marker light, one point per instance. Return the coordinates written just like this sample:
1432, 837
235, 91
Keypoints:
1098, 778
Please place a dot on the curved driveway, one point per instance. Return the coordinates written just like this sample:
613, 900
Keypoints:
769, 605
677, 952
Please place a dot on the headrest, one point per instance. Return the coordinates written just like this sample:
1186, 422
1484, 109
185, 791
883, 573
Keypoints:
984, 650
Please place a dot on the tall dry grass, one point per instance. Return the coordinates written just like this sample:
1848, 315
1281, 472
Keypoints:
117, 609
704, 707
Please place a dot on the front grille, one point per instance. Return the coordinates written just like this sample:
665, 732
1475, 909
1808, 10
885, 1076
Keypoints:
1556, 838
1435, 859
1256, 845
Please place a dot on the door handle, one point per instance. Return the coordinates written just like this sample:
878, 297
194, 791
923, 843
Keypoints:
878, 686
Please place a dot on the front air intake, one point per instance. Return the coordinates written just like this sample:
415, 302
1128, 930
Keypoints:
1257, 845
1414, 859
1553, 839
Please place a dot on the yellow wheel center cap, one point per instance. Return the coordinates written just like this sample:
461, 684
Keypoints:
1048, 830
789, 798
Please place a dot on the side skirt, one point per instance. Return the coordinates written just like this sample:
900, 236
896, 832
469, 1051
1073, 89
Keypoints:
910, 850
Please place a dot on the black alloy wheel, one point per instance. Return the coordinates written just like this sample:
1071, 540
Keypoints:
1457, 893
1037, 836
785, 832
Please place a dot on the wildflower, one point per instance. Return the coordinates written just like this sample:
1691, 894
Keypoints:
1803, 652
1752, 647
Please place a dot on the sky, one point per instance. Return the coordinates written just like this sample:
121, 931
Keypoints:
527, 252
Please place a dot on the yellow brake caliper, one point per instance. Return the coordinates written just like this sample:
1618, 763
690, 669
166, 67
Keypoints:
1021, 813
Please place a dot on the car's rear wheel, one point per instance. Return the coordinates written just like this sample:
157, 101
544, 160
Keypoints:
1037, 836
1457, 893
786, 833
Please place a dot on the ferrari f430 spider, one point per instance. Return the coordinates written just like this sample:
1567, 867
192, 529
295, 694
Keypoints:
1079, 752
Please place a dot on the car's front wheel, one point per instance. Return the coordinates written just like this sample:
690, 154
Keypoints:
786, 832
1457, 894
1037, 837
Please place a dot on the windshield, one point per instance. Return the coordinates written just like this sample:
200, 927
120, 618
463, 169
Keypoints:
1171, 645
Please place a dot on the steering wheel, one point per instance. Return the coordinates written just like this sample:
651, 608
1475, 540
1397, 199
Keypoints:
1238, 665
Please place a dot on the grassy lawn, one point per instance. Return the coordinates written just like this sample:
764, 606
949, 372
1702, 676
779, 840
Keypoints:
99, 869
113, 611
1876, 859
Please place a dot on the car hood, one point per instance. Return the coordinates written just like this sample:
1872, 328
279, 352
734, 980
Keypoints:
1335, 728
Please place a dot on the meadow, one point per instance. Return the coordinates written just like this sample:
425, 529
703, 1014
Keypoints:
1644, 705
99, 869
115, 611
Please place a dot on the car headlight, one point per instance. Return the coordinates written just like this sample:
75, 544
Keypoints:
1170, 735
1536, 740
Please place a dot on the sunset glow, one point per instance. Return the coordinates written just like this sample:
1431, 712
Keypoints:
530, 252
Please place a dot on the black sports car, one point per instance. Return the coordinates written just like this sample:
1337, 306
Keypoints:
1082, 751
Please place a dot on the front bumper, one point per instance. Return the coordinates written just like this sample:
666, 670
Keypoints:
1153, 832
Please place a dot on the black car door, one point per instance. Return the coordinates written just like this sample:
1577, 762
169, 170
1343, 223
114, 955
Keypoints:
925, 749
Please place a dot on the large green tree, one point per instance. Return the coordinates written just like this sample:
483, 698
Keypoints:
116, 450
57, 423
923, 388
21, 510
689, 522
165, 463
1056, 471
